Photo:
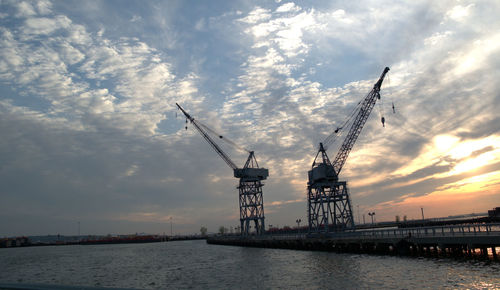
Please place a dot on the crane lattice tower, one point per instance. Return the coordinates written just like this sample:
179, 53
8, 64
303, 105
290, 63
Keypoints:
250, 195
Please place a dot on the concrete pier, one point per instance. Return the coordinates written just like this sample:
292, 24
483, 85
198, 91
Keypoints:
446, 241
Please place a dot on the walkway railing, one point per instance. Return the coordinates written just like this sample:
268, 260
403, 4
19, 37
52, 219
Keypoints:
435, 231
418, 232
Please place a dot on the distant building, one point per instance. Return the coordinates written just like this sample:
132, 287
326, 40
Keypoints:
494, 212
14, 242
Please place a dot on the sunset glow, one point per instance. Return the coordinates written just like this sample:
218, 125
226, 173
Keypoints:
90, 130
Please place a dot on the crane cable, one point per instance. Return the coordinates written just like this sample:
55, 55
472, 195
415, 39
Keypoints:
381, 110
225, 139
381, 105
336, 135
389, 94
338, 132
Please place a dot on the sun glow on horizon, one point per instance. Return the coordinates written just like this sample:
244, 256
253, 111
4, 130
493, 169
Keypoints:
473, 176
464, 156
465, 196
473, 154
484, 183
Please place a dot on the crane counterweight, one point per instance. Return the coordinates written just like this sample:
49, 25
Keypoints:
251, 173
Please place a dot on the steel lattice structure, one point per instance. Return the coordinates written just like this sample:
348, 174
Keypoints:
250, 193
330, 208
250, 185
251, 206
329, 205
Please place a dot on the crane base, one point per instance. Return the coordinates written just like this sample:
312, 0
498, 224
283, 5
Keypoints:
329, 207
251, 207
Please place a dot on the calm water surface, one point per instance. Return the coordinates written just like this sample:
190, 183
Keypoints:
194, 264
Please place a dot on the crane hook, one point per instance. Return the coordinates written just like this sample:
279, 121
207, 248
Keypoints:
393, 108
383, 121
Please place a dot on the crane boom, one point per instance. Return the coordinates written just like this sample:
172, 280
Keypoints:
209, 140
357, 126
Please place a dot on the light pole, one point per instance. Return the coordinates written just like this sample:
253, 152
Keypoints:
359, 217
371, 214
170, 226
298, 225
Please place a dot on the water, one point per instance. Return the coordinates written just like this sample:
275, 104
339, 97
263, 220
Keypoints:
194, 264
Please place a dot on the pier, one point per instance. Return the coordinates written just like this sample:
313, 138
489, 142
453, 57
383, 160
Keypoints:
469, 240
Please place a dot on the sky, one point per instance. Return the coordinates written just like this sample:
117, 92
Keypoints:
90, 134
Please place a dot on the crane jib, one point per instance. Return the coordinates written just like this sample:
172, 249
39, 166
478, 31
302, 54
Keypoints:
250, 171
324, 170
357, 126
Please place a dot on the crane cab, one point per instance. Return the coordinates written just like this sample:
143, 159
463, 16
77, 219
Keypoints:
251, 173
322, 173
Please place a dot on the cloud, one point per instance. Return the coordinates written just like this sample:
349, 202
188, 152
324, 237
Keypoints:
25, 9
257, 15
44, 26
459, 13
280, 203
87, 106
288, 7
136, 18
141, 78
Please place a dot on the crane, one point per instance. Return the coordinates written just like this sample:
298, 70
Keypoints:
329, 205
250, 177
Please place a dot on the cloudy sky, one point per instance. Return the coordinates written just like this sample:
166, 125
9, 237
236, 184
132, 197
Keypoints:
89, 131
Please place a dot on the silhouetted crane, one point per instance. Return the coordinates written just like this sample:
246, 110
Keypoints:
329, 206
251, 176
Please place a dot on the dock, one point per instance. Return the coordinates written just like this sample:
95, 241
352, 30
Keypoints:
470, 240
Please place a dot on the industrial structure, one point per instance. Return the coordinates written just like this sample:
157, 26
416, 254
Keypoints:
250, 180
329, 205
330, 218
